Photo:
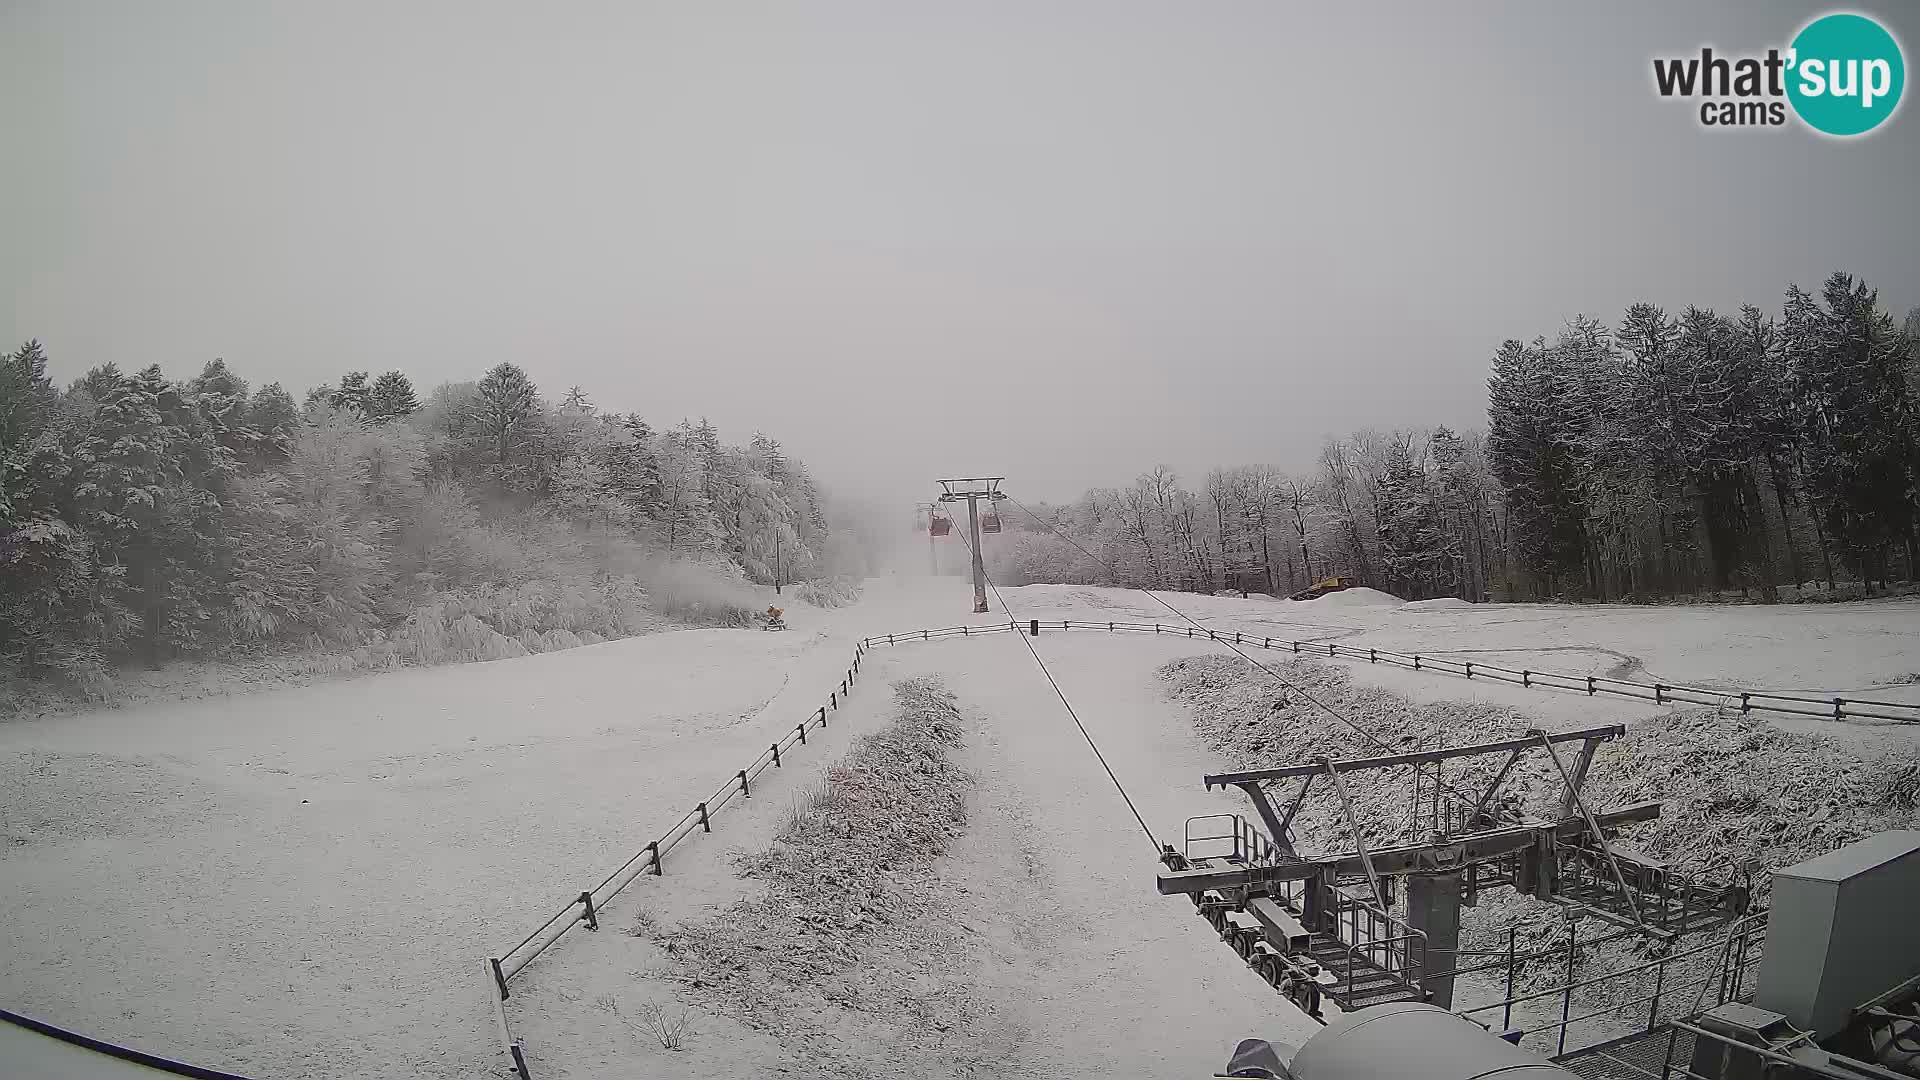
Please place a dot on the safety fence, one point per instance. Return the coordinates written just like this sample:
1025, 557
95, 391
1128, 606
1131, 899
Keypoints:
1746, 701
584, 909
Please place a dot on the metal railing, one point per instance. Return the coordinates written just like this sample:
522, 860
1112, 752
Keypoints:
1745, 701
1372, 941
1667, 900
1730, 962
1246, 843
584, 909
1378, 939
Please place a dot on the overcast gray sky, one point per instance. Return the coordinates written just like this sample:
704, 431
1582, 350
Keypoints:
1061, 241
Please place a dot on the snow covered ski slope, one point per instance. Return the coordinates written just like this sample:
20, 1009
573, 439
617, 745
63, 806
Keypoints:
301, 883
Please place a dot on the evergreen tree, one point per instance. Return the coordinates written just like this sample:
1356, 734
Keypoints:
49, 620
1858, 425
27, 400
637, 471
506, 409
272, 414
131, 475
391, 398
353, 395
220, 397
98, 382
1528, 406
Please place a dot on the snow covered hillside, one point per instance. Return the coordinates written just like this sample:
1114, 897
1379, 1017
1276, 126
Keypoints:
302, 883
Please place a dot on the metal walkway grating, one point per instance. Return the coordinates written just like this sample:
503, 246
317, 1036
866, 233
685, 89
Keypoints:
1647, 1055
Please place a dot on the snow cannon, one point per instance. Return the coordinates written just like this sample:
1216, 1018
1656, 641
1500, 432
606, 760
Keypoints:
1407, 1040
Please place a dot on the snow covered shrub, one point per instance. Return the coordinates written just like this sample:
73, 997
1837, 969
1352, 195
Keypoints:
831, 593
492, 623
847, 874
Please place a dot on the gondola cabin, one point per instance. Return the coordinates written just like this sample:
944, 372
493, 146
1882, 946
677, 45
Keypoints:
939, 525
990, 522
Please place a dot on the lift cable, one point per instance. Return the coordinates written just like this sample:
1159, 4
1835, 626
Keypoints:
1276, 676
1061, 694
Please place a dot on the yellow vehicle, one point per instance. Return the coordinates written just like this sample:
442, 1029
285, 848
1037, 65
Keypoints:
1325, 586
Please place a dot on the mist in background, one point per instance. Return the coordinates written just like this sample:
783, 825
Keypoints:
1063, 242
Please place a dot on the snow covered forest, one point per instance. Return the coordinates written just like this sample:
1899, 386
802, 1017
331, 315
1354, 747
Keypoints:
1666, 456
145, 518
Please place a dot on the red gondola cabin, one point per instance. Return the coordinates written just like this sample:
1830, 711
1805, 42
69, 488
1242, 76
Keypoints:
990, 522
938, 525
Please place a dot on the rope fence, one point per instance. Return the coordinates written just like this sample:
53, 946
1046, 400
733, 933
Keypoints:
1746, 701
584, 909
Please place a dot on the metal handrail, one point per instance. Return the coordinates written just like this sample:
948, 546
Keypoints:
1748, 923
1729, 973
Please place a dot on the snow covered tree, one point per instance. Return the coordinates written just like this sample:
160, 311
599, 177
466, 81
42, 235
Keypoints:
1528, 409
506, 410
763, 537
310, 549
145, 493
51, 617
682, 515
221, 399
139, 515
1460, 506
273, 415
391, 398
352, 395
1858, 425
98, 381
1417, 552
27, 401
1340, 486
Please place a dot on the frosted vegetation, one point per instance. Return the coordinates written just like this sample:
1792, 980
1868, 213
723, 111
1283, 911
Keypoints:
1690, 456
143, 519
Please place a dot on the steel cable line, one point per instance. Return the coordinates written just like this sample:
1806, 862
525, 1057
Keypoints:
1274, 675
1061, 694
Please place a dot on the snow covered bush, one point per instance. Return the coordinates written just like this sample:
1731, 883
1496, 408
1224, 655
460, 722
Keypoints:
830, 593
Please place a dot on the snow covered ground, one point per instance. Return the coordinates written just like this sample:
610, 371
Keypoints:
301, 883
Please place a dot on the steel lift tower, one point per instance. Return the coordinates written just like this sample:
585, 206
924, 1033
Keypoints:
972, 489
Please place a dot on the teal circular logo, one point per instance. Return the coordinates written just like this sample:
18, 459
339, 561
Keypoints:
1846, 74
